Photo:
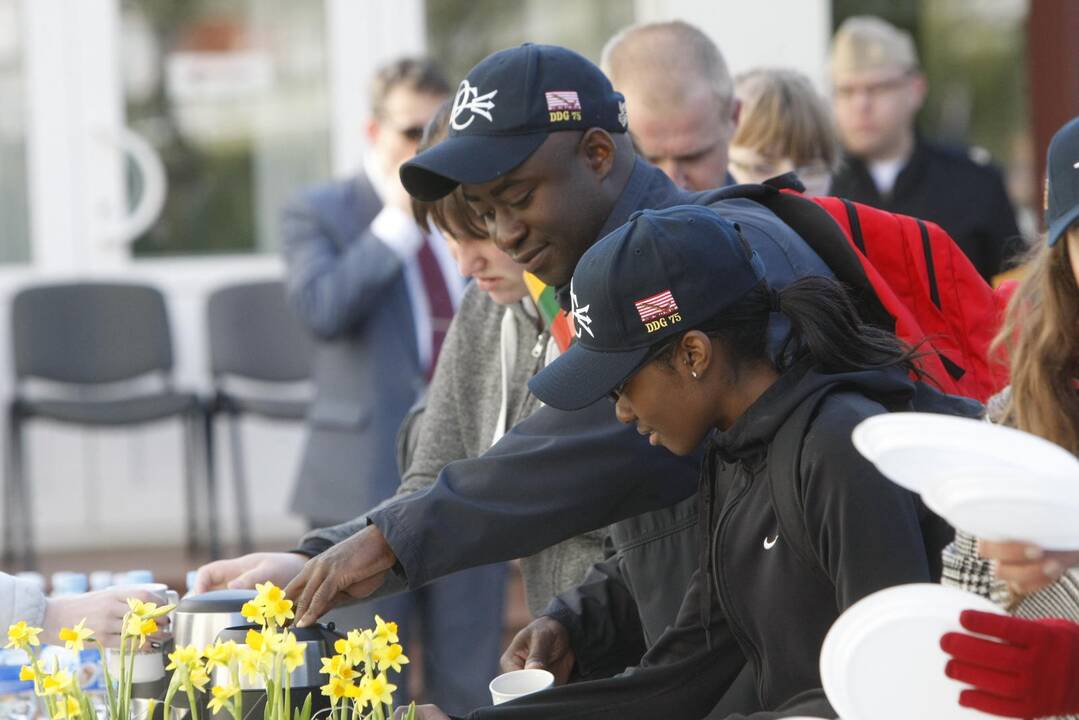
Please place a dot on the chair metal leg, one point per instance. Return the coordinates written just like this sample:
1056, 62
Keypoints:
10, 492
21, 504
211, 485
239, 484
191, 442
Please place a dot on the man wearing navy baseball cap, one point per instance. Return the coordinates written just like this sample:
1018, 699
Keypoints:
538, 143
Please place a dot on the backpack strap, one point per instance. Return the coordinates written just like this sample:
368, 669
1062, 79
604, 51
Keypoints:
783, 467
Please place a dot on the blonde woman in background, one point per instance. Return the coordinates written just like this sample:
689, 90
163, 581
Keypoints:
785, 126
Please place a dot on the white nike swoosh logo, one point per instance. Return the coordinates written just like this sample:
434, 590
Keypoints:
769, 543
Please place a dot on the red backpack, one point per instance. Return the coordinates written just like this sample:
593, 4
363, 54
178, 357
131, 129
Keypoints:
904, 274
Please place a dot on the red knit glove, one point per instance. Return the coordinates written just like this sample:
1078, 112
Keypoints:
1032, 672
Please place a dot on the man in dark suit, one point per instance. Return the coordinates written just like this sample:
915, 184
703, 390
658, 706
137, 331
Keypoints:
877, 91
379, 292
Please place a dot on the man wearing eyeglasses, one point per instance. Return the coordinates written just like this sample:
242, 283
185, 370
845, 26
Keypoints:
378, 292
878, 90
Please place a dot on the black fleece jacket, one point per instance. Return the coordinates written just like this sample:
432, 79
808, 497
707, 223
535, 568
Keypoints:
768, 608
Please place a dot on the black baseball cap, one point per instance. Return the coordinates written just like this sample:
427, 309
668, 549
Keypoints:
503, 111
660, 274
1062, 191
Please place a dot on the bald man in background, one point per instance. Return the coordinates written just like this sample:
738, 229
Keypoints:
680, 99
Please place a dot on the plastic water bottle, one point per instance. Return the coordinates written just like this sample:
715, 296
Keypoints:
17, 700
101, 580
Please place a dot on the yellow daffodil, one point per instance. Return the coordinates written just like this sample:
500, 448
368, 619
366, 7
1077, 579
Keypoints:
280, 610
385, 631
258, 640
393, 656
291, 652
140, 627
198, 678
357, 648
336, 689
74, 637
57, 683
359, 695
185, 656
222, 695
252, 613
69, 708
140, 608
220, 653
379, 689
252, 662
27, 673
337, 666
22, 636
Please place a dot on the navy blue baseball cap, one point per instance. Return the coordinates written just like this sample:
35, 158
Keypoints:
506, 108
660, 274
1062, 190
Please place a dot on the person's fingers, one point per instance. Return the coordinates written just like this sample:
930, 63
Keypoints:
992, 704
315, 579
539, 650
977, 651
247, 580
1001, 684
360, 590
306, 583
1010, 551
1030, 577
517, 652
212, 576
321, 599
1005, 627
294, 588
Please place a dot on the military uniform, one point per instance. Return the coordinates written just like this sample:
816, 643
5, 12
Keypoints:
955, 188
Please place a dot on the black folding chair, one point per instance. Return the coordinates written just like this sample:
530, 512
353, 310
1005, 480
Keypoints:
260, 358
97, 354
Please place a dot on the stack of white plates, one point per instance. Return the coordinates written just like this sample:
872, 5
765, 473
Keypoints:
991, 481
882, 659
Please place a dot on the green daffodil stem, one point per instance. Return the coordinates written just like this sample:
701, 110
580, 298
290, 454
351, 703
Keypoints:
191, 701
110, 691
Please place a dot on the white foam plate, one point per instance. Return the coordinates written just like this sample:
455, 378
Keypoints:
917, 450
1042, 511
882, 660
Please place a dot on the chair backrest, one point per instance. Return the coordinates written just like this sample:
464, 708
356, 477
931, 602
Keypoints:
254, 334
90, 332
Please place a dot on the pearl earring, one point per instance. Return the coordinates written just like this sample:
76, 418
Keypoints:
694, 374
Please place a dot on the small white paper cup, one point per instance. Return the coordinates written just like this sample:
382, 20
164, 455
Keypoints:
519, 683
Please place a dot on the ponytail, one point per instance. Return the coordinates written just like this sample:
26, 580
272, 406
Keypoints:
826, 325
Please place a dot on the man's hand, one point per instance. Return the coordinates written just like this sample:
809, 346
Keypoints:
1026, 568
243, 572
350, 570
423, 712
1030, 668
543, 644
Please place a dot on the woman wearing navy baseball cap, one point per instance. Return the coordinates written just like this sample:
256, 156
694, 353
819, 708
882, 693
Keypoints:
672, 313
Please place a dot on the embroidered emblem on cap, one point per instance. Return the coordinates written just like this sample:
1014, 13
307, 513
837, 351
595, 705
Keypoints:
469, 98
581, 319
658, 311
623, 115
563, 105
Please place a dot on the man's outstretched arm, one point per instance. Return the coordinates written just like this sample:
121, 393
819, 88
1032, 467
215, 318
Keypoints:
553, 476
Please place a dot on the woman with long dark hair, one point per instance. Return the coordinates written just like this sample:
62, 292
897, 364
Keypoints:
672, 314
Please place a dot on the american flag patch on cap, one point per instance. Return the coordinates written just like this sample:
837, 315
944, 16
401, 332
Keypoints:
658, 305
562, 100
